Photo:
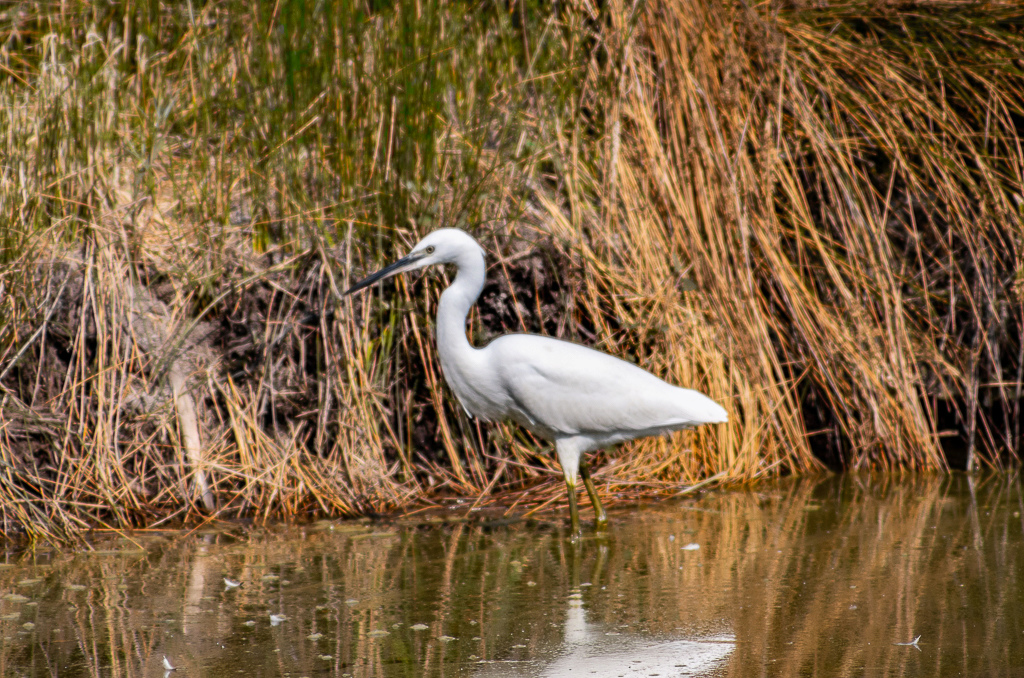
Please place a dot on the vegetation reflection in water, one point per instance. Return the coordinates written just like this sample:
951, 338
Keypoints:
811, 577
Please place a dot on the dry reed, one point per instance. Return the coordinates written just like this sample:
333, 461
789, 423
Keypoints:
812, 215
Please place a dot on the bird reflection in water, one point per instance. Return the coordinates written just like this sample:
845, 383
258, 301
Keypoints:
596, 651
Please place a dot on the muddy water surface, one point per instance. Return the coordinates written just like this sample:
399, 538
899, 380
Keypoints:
830, 577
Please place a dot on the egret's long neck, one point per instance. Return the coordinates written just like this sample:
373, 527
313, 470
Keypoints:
454, 307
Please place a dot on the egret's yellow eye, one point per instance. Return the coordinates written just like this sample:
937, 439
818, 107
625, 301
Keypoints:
430, 249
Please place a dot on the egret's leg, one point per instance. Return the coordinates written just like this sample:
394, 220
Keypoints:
569, 451
574, 514
602, 517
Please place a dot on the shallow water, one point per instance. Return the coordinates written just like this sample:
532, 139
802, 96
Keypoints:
805, 577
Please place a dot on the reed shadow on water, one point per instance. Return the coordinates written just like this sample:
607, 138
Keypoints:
827, 577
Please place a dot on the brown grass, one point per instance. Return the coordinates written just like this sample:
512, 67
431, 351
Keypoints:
845, 186
812, 215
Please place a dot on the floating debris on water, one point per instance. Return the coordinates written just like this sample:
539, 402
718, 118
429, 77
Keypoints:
445, 639
912, 644
315, 636
690, 547
276, 619
419, 627
377, 633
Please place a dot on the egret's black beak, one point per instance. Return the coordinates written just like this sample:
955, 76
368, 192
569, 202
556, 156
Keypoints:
388, 271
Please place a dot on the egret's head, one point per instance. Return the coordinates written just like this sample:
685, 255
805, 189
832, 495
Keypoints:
443, 246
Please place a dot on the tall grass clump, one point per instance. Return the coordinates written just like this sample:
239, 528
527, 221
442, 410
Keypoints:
813, 215
845, 186
185, 188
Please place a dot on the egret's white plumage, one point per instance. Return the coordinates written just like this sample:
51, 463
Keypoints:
579, 398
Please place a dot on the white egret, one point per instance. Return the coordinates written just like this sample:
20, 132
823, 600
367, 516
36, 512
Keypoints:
579, 398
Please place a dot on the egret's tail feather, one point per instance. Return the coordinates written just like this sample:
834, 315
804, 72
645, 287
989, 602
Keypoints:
718, 414
703, 410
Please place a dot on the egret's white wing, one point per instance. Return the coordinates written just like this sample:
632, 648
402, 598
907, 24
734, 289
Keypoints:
571, 390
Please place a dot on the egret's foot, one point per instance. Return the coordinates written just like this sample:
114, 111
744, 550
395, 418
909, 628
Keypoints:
575, 530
